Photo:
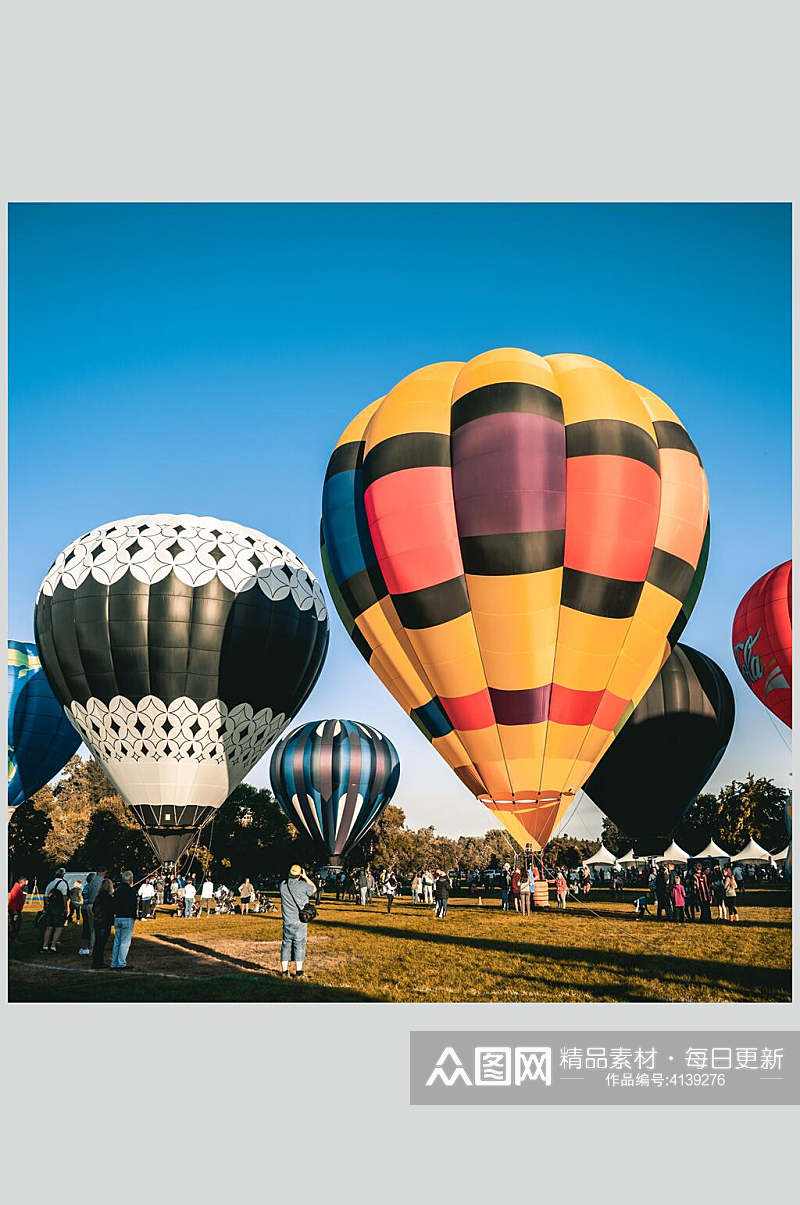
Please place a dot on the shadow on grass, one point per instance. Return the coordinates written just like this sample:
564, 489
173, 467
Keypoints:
653, 966
64, 978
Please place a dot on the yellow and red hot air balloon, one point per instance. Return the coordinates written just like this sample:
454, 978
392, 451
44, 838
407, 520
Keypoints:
514, 543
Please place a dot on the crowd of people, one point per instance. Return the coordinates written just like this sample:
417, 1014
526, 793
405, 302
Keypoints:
361, 886
700, 892
691, 895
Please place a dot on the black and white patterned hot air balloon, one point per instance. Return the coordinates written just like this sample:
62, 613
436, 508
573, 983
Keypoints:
180, 647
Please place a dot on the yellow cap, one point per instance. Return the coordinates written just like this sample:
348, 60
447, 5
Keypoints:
295, 870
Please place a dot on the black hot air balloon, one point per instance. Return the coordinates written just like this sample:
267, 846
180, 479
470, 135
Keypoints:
667, 751
181, 647
332, 779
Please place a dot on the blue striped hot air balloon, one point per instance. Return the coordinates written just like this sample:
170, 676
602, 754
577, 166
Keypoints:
332, 779
41, 740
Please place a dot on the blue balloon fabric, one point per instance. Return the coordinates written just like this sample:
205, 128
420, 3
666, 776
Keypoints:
332, 779
41, 740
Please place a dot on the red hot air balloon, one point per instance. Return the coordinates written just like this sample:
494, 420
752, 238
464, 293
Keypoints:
762, 640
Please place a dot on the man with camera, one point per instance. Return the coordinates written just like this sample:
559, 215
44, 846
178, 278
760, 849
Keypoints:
296, 891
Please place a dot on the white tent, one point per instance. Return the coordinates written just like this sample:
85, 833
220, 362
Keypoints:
712, 850
603, 857
752, 852
629, 858
673, 853
782, 856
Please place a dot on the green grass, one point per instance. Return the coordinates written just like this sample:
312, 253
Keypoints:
475, 954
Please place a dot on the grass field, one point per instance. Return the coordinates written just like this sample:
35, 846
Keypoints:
475, 954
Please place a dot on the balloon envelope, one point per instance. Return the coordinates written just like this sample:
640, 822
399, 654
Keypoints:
181, 646
511, 543
762, 640
332, 779
667, 750
41, 740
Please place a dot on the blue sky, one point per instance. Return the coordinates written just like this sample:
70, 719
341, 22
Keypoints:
205, 358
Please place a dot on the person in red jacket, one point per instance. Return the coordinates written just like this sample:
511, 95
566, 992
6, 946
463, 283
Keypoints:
16, 902
678, 900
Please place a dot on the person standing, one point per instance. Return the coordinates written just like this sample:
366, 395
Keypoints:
320, 889
91, 888
75, 897
516, 877
295, 891
207, 896
371, 885
525, 892
125, 904
678, 900
102, 920
505, 886
362, 887
390, 888
427, 887
441, 890
416, 887
662, 894
561, 890
147, 895
246, 895
55, 910
702, 893
189, 892
718, 893
730, 889
16, 903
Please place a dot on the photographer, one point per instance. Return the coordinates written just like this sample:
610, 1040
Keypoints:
296, 891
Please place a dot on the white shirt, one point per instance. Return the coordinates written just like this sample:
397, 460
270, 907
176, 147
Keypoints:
208, 890
60, 884
189, 891
147, 891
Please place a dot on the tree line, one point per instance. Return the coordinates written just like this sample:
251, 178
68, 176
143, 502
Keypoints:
81, 822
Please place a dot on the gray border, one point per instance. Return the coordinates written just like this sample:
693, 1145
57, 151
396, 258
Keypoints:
358, 101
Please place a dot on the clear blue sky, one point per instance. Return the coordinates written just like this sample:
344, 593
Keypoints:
205, 358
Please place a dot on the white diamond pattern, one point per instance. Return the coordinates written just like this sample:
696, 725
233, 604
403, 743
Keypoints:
153, 729
196, 550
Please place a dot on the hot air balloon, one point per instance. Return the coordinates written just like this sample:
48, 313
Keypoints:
332, 779
667, 750
762, 640
181, 647
41, 740
511, 543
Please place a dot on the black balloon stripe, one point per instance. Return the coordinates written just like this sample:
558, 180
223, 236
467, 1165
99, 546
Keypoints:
506, 397
512, 552
604, 596
413, 450
433, 605
363, 589
343, 458
672, 435
611, 437
670, 573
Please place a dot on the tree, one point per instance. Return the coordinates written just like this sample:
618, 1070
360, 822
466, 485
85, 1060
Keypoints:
569, 852
28, 830
615, 841
114, 839
752, 808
